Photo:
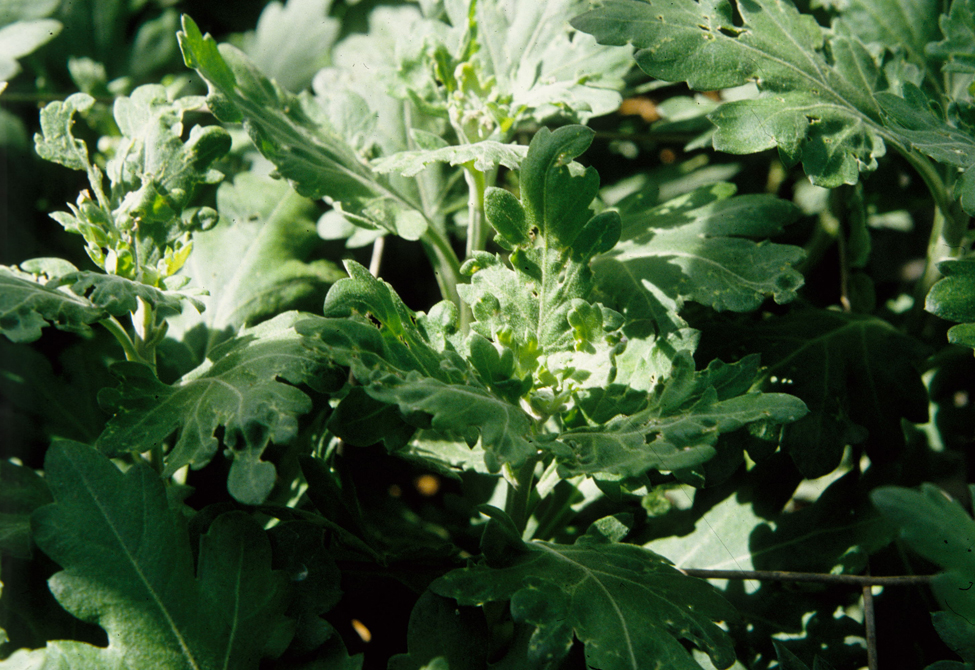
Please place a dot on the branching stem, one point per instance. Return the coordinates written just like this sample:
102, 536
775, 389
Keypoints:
820, 578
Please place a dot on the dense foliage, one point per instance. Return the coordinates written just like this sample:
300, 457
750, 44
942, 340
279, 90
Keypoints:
469, 334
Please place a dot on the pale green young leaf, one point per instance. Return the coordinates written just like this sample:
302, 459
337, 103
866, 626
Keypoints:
541, 66
21, 39
817, 103
256, 261
399, 365
957, 48
294, 133
700, 246
114, 533
951, 299
56, 142
241, 386
627, 605
485, 156
936, 527
555, 234
292, 41
66, 655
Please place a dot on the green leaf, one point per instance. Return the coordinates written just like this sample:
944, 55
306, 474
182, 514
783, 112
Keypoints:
953, 298
50, 292
901, 25
22, 492
542, 68
857, 375
629, 606
113, 533
398, 365
957, 633
140, 229
292, 41
27, 306
557, 237
929, 132
484, 155
678, 430
257, 261
240, 387
21, 39
56, 142
294, 133
817, 104
699, 246
938, 529
958, 46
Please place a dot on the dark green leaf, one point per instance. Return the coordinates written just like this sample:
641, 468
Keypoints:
936, 527
957, 633
953, 298
113, 533
21, 492
239, 387
857, 375
627, 605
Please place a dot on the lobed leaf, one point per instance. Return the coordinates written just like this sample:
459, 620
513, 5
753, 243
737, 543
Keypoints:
817, 103
294, 134
27, 306
240, 387
628, 605
958, 46
678, 430
114, 533
699, 246
857, 375
398, 365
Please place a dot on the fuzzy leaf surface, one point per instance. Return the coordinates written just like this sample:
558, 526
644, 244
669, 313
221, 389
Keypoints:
484, 155
28, 305
294, 134
951, 299
240, 387
700, 246
678, 430
958, 46
258, 261
597, 590
113, 533
817, 103
397, 364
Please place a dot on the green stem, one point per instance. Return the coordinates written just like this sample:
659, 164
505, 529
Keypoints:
476, 186
445, 262
516, 503
116, 329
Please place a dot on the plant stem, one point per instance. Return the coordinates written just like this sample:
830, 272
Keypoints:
476, 185
519, 494
821, 578
116, 329
445, 262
